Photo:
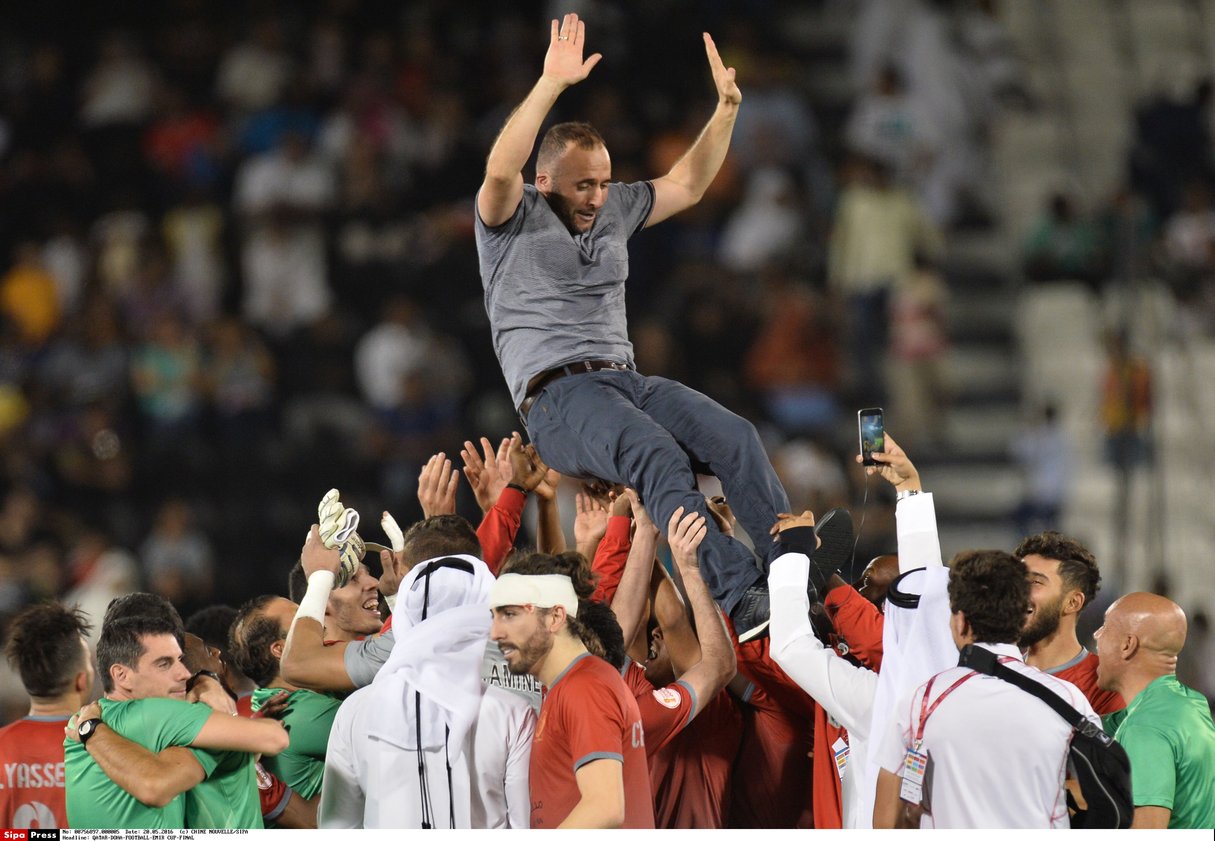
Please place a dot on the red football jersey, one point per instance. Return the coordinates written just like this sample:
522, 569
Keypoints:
691, 775
1083, 676
31, 773
664, 712
588, 714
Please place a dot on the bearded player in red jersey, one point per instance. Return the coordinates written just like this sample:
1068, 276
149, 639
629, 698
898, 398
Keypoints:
1063, 580
47, 648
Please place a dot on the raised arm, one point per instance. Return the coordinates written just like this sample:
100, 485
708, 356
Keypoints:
692, 174
717, 664
249, 735
307, 662
563, 66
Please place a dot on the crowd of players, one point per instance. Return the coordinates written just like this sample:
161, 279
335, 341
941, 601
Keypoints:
598, 686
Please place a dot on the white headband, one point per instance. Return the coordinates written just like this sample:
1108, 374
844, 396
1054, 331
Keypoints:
538, 590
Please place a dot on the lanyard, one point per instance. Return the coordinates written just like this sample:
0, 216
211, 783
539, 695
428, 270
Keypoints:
926, 710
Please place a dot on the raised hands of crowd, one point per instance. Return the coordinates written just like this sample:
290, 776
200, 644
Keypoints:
482, 471
437, 486
590, 522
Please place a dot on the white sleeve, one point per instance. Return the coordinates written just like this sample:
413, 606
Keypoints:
518, 761
342, 798
894, 736
844, 690
919, 544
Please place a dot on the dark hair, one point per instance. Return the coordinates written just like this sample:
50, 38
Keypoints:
145, 604
44, 648
567, 563
1077, 566
122, 641
992, 589
250, 639
297, 583
582, 135
437, 537
601, 633
212, 624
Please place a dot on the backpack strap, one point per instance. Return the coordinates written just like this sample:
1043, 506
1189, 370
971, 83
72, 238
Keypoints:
985, 662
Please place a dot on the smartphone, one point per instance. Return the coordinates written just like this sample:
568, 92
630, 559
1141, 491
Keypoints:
872, 431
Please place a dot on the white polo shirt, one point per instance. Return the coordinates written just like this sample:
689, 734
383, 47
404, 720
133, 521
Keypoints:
998, 754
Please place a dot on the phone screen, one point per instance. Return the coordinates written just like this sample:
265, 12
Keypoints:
872, 432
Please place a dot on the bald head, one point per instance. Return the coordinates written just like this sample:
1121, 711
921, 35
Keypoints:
1139, 642
877, 578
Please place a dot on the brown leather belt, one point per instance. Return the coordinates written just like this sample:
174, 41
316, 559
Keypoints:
542, 379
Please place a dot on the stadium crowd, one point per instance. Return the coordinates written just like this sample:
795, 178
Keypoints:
243, 254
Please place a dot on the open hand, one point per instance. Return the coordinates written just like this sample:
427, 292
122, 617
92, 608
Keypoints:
437, 486
685, 533
482, 473
563, 62
723, 77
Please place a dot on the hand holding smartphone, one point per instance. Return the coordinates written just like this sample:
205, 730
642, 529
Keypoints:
871, 429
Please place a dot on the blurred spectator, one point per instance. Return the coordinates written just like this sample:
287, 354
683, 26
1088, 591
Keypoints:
166, 379
768, 226
282, 195
239, 376
1189, 233
119, 88
29, 297
117, 239
87, 363
182, 143
879, 228
990, 48
892, 128
919, 351
1063, 245
793, 362
1126, 405
1043, 453
1172, 145
98, 573
253, 73
177, 559
66, 258
812, 475
193, 231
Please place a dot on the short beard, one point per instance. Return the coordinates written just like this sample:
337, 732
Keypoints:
530, 653
563, 211
1045, 622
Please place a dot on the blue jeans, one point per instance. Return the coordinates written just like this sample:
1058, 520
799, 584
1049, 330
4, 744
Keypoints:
645, 432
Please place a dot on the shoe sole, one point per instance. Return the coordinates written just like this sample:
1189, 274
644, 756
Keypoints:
835, 532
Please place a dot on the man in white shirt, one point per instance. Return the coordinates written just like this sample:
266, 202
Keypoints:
427, 744
974, 751
916, 642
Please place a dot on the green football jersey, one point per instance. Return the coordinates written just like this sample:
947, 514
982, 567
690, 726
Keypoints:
307, 719
1170, 738
228, 798
94, 801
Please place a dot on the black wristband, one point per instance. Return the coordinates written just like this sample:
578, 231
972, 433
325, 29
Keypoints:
202, 673
799, 539
517, 487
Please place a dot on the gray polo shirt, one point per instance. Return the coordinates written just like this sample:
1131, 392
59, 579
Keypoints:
555, 298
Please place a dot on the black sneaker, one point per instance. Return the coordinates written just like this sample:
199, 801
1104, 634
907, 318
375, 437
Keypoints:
753, 613
834, 531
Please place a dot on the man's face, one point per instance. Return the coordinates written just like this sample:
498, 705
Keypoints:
1109, 639
521, 635
356, 606
658, 668
160, 672
576, 186
877, 578
1046, 597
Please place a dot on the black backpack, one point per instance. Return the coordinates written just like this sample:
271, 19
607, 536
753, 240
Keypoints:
1099, 764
